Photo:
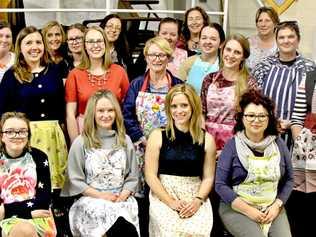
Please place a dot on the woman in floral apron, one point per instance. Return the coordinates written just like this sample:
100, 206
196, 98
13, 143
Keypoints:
143, 108
221, 90
103, 169
254, 175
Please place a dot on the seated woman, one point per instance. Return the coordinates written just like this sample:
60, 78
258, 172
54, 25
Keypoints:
254, 175
25, 186
179, 169
103, 169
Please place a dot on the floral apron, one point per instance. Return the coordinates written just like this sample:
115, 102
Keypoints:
220, 119
150, 111
259, 189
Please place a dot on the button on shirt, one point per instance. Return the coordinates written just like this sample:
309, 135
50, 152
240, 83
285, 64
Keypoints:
40, 99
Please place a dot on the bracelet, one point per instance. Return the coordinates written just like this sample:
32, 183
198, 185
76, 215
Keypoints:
200, 199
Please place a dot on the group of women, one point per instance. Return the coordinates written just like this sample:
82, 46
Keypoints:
143, 152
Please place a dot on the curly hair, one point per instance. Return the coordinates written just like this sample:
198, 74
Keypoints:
255, 97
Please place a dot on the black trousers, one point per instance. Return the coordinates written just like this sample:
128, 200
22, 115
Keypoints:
301, 209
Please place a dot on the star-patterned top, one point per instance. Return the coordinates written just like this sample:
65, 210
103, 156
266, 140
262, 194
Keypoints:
25, 183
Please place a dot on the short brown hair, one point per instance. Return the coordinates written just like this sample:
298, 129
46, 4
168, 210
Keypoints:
270, 11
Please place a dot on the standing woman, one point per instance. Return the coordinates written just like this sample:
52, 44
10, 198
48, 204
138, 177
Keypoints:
168, 29
194, 20
196, 67
118, 45
35, 87
25, 186
6, 45
75, 43
263, 44
54, 40
254, 175
96, 71
221, 91
180, 168
103, 169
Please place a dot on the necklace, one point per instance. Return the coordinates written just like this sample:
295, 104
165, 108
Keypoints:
195, 44
97, 80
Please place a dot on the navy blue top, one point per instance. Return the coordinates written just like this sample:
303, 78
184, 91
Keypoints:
40, 99
181, 157
230, 172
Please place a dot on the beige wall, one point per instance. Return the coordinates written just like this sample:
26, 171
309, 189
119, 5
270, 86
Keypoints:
242, 20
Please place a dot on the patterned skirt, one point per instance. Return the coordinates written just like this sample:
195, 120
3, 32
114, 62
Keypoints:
165, 222
45, 227
91, 217
48, 137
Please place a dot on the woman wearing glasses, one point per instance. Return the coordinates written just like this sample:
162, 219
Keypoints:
254, 176
118, 45
143, 108
96, 71
75, 34
25, 185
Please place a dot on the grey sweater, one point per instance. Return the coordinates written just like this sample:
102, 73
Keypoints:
76, 180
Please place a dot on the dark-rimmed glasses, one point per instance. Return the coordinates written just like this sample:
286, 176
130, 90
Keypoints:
160, 56
16, 133
77, 39
252, 117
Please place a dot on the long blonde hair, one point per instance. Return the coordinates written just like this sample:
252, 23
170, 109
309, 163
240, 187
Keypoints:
195, 123
21, 69
90, 136
85, 61
45, 30
241, 85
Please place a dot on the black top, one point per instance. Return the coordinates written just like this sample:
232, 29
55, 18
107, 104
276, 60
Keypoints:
42, 198
181, 157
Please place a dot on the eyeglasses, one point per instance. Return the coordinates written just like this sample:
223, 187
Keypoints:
16, 133
112, 27
77, 39
160, 56
252, 117
97, 41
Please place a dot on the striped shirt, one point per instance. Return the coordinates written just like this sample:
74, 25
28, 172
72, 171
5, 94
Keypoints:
280, 82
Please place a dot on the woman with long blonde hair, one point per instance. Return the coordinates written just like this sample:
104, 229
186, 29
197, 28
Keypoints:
179, 169
96, 71
103, 169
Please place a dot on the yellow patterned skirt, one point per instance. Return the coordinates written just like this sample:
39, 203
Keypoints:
48, 137
165, 222
45, 227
